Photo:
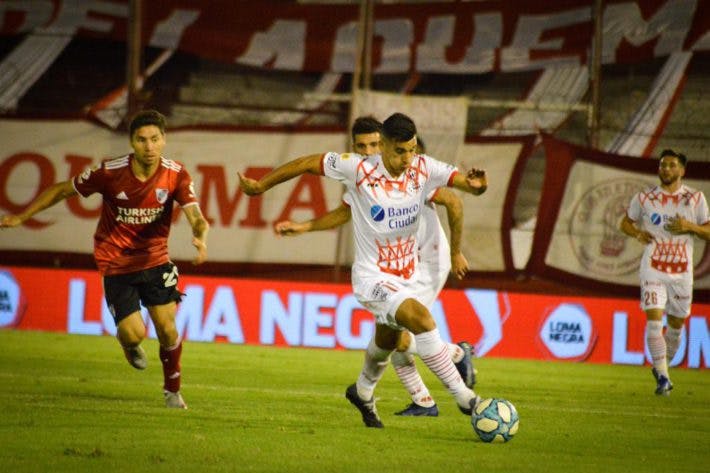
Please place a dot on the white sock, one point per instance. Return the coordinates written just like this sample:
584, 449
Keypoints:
376, 360
657, 346
412, 348
407, 373
672, 337
435, 354
455, 351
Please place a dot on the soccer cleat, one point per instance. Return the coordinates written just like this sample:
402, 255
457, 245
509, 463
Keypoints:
472, 405
664, 386
366, 408
415, 410
656, 375
465, 366
174, 400
136, 357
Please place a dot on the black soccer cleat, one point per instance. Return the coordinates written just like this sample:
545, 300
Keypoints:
663, 384
415, 410
366, 408
465, 366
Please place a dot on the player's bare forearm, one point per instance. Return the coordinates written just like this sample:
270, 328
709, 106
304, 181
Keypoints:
454, 215
474, 182
628, 227
306, 164
703, 231
332, 219
289, 228
200, 228
47, 198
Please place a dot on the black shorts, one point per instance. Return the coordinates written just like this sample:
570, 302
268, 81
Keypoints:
155, 286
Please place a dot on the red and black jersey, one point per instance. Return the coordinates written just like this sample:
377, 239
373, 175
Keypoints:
132, 233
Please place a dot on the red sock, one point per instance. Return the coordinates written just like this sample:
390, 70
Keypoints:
170, 357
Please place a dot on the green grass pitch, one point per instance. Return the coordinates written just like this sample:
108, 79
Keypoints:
71, 403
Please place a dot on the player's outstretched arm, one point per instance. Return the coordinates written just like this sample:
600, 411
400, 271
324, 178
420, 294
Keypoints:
474, 182
332, 219
678, 225
50, 196
454, 214
200, 227
306, 164
628, 227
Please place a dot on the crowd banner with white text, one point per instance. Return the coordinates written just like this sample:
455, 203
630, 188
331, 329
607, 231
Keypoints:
585, 195
441, 37
291, 314
241, 227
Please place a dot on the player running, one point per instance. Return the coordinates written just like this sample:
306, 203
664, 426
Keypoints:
436, 260
139, 192
389, 192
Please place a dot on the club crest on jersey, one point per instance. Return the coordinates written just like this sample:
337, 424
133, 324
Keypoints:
161, 195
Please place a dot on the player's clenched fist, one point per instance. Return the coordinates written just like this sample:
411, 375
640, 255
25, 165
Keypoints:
9, 221
477, 180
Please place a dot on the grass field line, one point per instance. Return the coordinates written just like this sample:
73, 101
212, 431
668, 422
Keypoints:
556, 409
196, 386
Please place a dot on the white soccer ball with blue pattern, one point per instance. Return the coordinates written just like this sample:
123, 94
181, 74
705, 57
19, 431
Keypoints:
495, 420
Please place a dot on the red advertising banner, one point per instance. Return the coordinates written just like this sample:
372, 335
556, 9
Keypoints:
440, 37
265, 312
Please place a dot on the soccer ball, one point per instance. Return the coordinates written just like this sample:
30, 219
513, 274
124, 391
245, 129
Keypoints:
495, 420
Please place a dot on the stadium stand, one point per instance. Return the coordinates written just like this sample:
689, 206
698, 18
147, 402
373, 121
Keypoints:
197, 92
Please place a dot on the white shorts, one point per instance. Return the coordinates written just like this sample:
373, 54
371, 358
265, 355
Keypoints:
430, 280
673, 294
382, 295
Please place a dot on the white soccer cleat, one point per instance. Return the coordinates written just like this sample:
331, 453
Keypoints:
174, 400
136, 357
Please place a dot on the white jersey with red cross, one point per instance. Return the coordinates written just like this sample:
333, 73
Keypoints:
386, 210
651, 210
434, 253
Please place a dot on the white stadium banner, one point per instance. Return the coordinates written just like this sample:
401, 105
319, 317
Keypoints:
37, 154
441, 121
585, 197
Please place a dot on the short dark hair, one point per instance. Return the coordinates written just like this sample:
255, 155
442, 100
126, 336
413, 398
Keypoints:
146, 118
421, 147
669, 152
364, 125
399, 128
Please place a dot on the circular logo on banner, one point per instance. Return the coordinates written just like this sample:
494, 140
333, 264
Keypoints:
594, 233
10, 300
568, 332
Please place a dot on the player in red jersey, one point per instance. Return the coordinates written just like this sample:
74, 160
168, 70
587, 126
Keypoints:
139, 192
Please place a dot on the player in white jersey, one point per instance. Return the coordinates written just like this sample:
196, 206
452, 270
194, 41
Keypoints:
389, 192
434, 265
665, 218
